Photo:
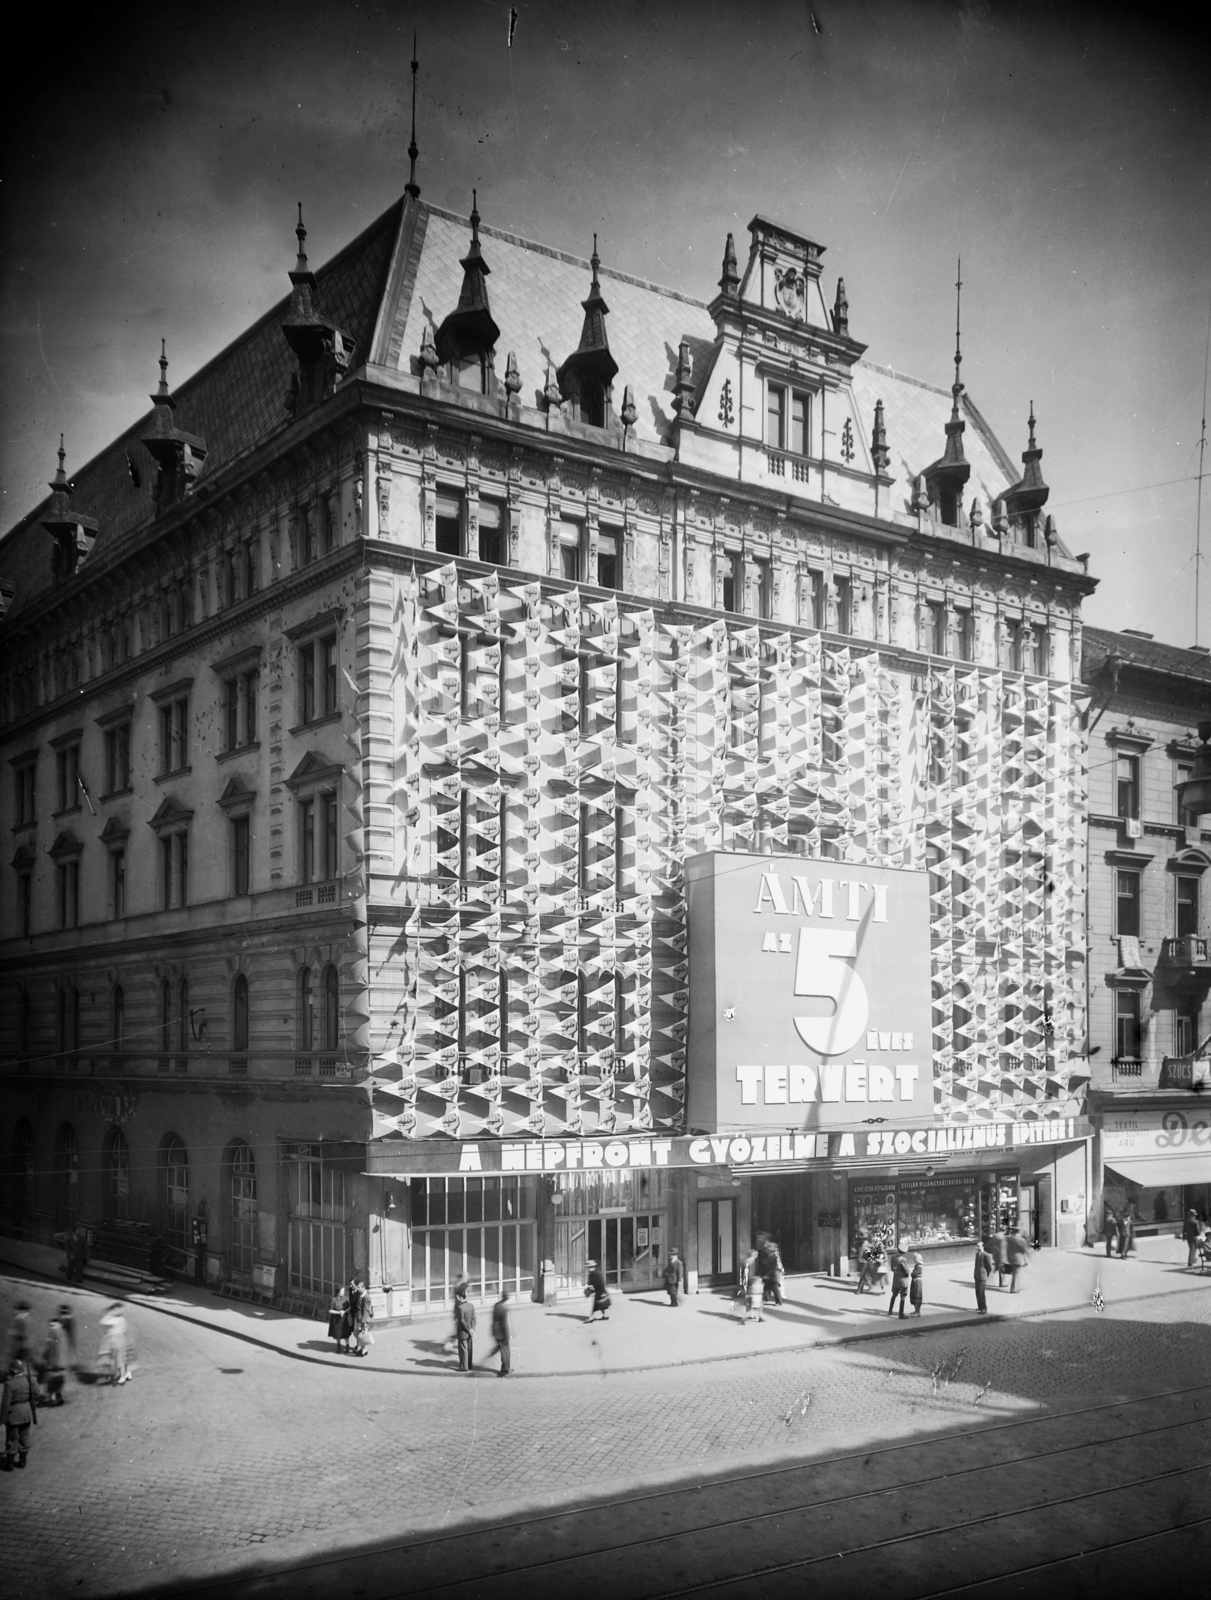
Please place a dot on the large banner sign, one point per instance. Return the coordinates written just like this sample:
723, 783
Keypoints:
809, 994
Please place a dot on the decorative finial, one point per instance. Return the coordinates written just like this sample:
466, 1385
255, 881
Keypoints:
162, 391
59, 481
1030, 424
841, 310
428, 352
880, 454
595, 262
412, 187
300, 265
628, 412
729, 283
512, 376
475, 218
683, 383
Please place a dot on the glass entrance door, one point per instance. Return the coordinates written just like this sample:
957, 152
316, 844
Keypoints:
717, 1241
628, 1249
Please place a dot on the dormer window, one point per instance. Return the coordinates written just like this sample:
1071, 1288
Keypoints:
592, 403
471, 372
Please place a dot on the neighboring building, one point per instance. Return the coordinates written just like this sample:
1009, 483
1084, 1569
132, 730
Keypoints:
362, 707
1149, 922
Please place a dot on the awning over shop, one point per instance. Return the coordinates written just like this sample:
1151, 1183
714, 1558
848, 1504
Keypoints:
1162, 1172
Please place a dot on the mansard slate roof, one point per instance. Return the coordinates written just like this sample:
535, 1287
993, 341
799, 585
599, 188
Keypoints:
391, 283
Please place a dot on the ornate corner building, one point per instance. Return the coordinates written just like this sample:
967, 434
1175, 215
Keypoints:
1149, 922
365, 703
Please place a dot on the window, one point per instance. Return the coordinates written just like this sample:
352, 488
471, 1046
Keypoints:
116, 1159
763, 585
69, 1023
306, 1010
67, 891
174, 735
571, 539
317, 838
1183, 771
240, 709
844, 591
733, 582
1186, 919
67, 777
248, 562
787, 417
67, 1178
183, 1027
332, 1008
174, 1193
448, 525
165, 1024
307, 546
609, 566
241, 1169
23, 797
1185, 1033
1127, 785
239, 1013
240, 840
812, 599
117, 883
174, 870
938, 627
1128, 1033
491, 545
1127, 903
25, 901
965, 635
117, 758
117, 1018
471, 372
317, 679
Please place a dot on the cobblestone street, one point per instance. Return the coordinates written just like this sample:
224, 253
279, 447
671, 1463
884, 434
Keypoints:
222, 1457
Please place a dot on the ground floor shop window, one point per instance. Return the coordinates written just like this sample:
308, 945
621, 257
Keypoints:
915, 1213
939, 1211
241, 1180
616, 1217
480, 1229
317, 1225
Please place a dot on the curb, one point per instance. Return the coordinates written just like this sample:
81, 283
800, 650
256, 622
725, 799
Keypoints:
962, 1320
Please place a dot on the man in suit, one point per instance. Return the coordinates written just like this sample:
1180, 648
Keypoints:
982, 1268
673, 1272
502, 1332
464, 1327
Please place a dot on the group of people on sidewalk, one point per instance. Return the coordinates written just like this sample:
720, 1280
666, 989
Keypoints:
464, 1330
36, 1374
1006, 1254
350, 1317
1003, 1253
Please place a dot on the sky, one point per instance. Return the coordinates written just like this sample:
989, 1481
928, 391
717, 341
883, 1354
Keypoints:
154, 158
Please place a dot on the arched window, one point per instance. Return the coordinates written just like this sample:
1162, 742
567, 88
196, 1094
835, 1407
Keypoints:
23, 1176
67, 1178
242, 1196
306, 1010
115, 1155
239, 1013
174, 1192
332, 1008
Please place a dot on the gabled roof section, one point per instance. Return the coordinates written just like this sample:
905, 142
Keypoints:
235, 402
1145, 656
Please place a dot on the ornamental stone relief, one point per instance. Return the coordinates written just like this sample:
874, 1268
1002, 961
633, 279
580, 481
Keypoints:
790, 292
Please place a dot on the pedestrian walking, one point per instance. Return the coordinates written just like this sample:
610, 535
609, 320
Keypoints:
771, 1269
365, 1319
338, 1327
464, 1327
872, 1268
1191, 1233
996, 1246
596, 1286
66, 1318
1110, 1230
113, 1355
1126, 1234
901, 1276
673, 1274
1017, 1254
916, 1286
20, 1339
502, 1333
76, 1253
52, 1372
18, 1409
983, 1266
755, 1294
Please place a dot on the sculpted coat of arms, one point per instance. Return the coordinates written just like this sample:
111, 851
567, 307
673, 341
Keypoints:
790, 291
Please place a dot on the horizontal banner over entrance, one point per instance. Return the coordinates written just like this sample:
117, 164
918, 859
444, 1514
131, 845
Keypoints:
421, 1158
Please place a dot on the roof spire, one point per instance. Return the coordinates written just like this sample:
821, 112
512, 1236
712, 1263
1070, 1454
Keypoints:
591, 361
412, 187
1030, 445
729, 283
957, 390
469, 329
1030, 492
162, 396
59, 481
300, 265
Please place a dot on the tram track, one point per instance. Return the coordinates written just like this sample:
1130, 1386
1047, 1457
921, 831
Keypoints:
544, 1575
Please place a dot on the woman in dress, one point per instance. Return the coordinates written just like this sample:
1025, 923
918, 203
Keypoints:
338, 1308
113, 1356
596, 1287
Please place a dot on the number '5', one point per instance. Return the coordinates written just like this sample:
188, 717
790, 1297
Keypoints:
821, 971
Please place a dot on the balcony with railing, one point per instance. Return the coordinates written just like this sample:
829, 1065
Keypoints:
1185, 962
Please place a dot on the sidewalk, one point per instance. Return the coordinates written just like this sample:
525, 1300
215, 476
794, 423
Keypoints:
645, 1332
